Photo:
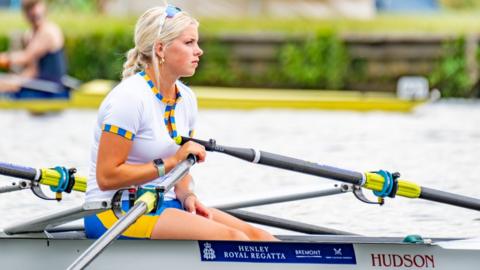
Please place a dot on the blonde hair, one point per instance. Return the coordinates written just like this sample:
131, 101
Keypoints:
154, 27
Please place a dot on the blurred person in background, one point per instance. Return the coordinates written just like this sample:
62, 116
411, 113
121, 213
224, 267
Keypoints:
41, 63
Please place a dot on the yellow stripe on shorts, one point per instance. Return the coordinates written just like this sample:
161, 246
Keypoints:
142, 228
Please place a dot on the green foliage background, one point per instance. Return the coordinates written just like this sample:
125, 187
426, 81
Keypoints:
319, 62
96, 47
451, 75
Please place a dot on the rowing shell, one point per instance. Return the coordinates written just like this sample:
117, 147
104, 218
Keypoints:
294, 252
91, 94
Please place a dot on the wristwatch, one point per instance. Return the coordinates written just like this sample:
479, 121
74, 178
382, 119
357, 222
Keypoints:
160, 165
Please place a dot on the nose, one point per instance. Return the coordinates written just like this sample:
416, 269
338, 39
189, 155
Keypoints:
198, 51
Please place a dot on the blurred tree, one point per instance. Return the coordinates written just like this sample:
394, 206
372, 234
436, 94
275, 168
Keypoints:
460, 4
98, 6
451, 73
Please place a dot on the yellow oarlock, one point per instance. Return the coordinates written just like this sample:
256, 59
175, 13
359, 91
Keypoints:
50, 177
149, 198
405, 188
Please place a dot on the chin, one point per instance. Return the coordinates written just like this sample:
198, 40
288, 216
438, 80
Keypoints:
189, 74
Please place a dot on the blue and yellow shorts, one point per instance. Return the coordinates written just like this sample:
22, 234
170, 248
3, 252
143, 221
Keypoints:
97, 225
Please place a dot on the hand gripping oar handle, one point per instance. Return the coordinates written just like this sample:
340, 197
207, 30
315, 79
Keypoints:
142, 205
369, 180
46, 176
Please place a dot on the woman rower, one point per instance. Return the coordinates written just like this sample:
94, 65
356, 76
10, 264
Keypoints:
136, 129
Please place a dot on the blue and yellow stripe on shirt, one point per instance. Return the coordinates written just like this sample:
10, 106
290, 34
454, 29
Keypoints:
169, 115
119, 131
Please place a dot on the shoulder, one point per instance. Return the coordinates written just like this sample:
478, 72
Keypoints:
51, 35
131, 90
53, 28
125, 105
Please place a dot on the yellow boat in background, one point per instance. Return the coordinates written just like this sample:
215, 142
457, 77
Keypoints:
91, 94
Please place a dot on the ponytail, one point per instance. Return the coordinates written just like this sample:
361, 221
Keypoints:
133, 64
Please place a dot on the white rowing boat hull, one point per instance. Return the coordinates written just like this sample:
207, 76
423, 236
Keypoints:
29, 253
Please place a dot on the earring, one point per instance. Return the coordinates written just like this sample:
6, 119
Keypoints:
162, 60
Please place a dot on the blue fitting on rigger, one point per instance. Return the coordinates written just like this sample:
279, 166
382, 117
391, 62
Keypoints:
62, 181
388, 184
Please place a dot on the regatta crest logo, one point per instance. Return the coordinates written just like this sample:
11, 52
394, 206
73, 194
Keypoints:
208, 252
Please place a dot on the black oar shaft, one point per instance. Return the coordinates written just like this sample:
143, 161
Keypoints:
307, 167
17, 171
450, 198
283, 162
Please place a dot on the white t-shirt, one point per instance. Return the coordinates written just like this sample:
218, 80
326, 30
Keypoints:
133, 111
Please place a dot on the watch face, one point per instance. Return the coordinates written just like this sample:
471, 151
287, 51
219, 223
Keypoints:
158, 162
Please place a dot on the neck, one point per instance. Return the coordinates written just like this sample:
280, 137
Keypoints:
166, 85
37, 27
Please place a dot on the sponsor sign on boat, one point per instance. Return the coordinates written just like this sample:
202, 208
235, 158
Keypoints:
227, 251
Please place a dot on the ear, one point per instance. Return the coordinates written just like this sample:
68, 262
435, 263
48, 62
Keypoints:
159, 50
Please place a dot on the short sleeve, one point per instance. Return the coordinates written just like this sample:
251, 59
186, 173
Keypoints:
122, 114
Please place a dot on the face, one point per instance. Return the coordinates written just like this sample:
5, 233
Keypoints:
183, 54
36, 14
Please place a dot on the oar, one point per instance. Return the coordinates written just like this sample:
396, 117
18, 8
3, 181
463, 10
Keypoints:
368, 180
142, 205
59, 179
34, 84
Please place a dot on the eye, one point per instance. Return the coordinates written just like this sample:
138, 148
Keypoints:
189, 42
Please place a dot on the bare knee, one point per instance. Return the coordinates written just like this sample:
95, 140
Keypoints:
233, 234
260, 235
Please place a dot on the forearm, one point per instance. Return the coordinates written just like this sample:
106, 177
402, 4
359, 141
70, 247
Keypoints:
114, 172
37, 47
19, 58
182, 188
125, 175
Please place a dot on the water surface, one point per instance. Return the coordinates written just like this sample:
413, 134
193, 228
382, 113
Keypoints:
437, 146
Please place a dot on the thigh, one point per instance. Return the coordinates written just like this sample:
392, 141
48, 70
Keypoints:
179, 224
252, 232
229, 220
